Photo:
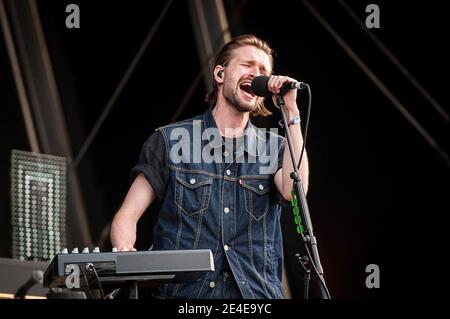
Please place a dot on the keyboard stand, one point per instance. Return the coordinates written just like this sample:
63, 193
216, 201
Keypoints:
130, 283
132, 289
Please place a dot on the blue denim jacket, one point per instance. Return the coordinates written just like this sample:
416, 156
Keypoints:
230, 206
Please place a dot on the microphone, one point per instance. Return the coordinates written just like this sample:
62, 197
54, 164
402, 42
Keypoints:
259, 86
36, 278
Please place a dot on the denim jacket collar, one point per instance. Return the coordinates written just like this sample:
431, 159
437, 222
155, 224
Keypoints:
253, 133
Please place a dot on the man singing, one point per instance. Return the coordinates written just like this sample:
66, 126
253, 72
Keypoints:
220, 182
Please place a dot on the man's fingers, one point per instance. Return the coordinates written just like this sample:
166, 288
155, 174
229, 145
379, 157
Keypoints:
126, 249
276, 82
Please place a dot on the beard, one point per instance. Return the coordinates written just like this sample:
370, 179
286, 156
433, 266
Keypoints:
231, 95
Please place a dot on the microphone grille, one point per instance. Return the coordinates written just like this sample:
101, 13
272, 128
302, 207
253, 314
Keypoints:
38, 275
259, 86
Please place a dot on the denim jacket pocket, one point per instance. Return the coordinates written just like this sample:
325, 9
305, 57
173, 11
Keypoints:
193, 191
256, 192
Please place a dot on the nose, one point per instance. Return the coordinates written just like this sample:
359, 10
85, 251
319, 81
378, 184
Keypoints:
254, 72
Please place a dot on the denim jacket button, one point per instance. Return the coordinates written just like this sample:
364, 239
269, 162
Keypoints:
226, 210
261, 187
192, 181
228, 172
226, 248
212, 284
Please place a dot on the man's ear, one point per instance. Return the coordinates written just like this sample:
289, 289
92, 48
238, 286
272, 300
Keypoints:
218, 73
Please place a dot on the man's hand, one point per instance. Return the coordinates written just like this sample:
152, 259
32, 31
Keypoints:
290, 98
123, 233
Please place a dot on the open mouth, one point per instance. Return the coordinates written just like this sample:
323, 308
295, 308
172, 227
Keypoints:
247, 89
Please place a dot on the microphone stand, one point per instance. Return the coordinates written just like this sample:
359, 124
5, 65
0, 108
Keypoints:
307, 234
303, 261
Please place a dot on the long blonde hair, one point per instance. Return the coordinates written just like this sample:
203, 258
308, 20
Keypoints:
224, 57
